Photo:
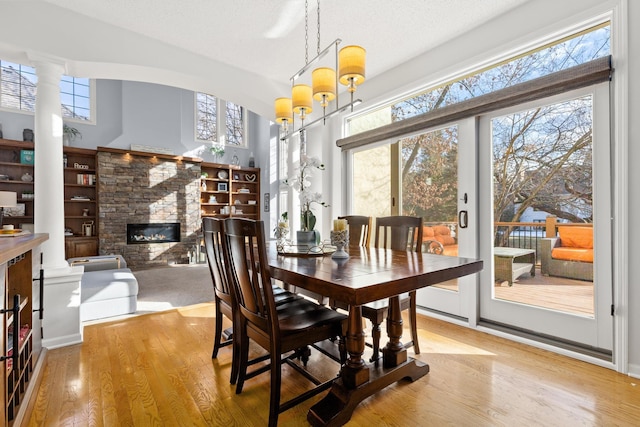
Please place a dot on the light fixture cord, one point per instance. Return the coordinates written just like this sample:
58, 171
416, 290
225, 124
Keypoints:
306, 32
318, 36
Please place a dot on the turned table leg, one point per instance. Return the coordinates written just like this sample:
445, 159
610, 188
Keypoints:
394, 352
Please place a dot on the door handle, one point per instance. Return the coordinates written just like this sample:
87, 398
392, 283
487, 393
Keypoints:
463, 219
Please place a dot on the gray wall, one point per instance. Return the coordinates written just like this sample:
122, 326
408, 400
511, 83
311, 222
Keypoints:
146, 114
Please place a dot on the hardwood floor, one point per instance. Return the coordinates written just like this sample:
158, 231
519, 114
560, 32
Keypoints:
156, 369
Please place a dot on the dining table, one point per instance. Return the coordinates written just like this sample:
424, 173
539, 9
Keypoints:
367, 275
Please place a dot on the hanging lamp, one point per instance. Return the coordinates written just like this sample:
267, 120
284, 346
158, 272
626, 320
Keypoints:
351, 67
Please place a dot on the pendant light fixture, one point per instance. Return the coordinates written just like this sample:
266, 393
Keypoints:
350, 63
284, 112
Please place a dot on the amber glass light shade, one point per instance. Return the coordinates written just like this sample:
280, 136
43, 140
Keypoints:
302, 99
284, 111
324, 85
351, 68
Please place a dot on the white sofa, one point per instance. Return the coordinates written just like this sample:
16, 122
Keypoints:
108, 288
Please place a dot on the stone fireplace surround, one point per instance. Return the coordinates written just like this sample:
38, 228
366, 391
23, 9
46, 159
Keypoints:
137, 187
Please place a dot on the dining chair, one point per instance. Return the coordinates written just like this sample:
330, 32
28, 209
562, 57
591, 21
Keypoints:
359, 229
403, 233
281, 330
223, 299
224, 302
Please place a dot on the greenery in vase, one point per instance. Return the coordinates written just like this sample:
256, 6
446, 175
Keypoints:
217, 150
71, 133
301, 182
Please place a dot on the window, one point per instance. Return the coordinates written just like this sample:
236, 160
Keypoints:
206, 117
580, 48
18, 86
75, 94
210, 111
235, 124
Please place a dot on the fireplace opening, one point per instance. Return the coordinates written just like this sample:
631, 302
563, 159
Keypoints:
153, 233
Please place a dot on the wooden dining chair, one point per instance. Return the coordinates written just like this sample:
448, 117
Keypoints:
281, 330
402, 233
359, 229
224, 301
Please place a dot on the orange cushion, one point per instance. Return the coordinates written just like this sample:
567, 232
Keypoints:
446, 240
451, 250
576, 237
572, 254
442, 230
427, 232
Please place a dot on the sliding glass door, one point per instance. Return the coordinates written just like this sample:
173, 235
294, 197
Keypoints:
430, 175
546, 233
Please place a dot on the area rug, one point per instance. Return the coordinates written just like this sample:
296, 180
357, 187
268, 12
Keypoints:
180, 285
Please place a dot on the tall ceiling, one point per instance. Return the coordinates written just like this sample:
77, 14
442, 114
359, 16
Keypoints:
266, 38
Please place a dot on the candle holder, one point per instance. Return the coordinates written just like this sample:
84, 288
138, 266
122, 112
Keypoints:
340, 239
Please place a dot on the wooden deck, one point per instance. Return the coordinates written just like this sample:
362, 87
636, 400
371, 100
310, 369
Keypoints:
556, 293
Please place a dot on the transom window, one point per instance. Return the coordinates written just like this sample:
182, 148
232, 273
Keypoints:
210, 111
18, 87
576, 49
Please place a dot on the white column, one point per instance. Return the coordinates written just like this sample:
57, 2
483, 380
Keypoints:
62, 293
49, 179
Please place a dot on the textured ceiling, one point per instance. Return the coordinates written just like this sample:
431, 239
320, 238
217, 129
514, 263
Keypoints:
267, 36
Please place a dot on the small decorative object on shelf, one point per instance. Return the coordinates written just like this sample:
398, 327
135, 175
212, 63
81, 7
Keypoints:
27, 135
252, 162
217, 150
26, 157
69, 134
26, 177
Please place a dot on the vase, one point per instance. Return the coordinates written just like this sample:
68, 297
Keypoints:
306, 237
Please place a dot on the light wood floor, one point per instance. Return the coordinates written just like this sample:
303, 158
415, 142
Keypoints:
156, 369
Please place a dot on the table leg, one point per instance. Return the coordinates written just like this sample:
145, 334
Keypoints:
357, 380
394, 352
355, 371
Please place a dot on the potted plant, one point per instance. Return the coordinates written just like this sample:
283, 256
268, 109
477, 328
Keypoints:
217, 150
69, 134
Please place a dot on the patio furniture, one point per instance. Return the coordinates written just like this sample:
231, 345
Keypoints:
569, 255
437, 239
511, 263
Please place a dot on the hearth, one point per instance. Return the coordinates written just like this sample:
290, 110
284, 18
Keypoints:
153, 233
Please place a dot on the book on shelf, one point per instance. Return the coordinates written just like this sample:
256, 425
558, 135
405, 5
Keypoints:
86, 179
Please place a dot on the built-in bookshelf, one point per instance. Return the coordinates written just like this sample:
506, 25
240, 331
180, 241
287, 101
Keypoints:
80, 195
229, 191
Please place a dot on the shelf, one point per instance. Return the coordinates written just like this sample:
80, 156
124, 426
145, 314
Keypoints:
80, 185
13, 181
15, 164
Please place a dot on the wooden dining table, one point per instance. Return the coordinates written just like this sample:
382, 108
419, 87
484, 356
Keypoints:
369, 274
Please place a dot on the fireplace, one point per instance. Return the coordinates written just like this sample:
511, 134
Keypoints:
153, 233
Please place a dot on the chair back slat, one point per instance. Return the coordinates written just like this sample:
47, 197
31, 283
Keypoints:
402, 233
213, 235
249, 271
359, 229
